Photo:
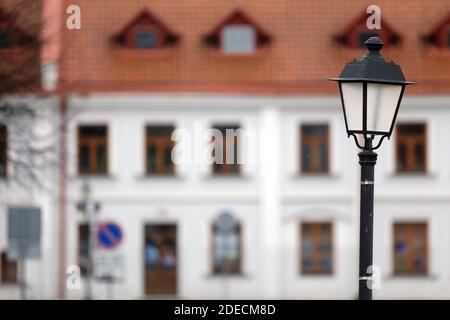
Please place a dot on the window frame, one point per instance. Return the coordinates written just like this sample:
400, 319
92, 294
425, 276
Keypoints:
213, 250
93, 170
411, 142
410, 270
315, 155
316, 225
227, 169
5, 265
170, 172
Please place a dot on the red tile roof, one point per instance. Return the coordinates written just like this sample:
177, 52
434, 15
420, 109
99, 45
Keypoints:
301, 56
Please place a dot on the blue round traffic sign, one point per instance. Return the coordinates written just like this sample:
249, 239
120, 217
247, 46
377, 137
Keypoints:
109, 235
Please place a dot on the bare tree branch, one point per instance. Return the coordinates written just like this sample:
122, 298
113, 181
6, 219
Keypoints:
24, 110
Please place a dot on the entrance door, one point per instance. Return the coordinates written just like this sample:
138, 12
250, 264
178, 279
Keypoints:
160, 258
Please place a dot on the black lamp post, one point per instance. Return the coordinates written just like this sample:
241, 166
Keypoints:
371, 91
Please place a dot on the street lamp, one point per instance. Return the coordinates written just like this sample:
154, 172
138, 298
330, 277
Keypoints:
371, 92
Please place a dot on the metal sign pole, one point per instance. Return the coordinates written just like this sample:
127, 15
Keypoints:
91, 247
89, 266
110, 288
23, 284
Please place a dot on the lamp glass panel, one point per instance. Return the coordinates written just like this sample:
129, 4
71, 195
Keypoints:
352, 94
382, 101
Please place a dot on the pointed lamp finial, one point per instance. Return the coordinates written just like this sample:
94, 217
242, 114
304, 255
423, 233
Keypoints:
374, 44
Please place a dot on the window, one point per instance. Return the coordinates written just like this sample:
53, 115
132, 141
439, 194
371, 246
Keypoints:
92, 150
316, 248
225, 151
410, 248
8, 269
238, 39
3, 151
314, 148
411, 148
363, 36
83, 247
226, 245
5, 38
145, 39
158, 148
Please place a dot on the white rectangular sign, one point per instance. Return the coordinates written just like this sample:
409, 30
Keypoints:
109, 265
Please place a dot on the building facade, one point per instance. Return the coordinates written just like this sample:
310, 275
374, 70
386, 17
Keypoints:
282, 223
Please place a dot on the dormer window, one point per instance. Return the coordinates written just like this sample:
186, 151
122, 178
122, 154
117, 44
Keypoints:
439, 35
237, 34
356, 33
145, 32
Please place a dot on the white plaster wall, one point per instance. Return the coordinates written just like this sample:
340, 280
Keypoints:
193, 198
